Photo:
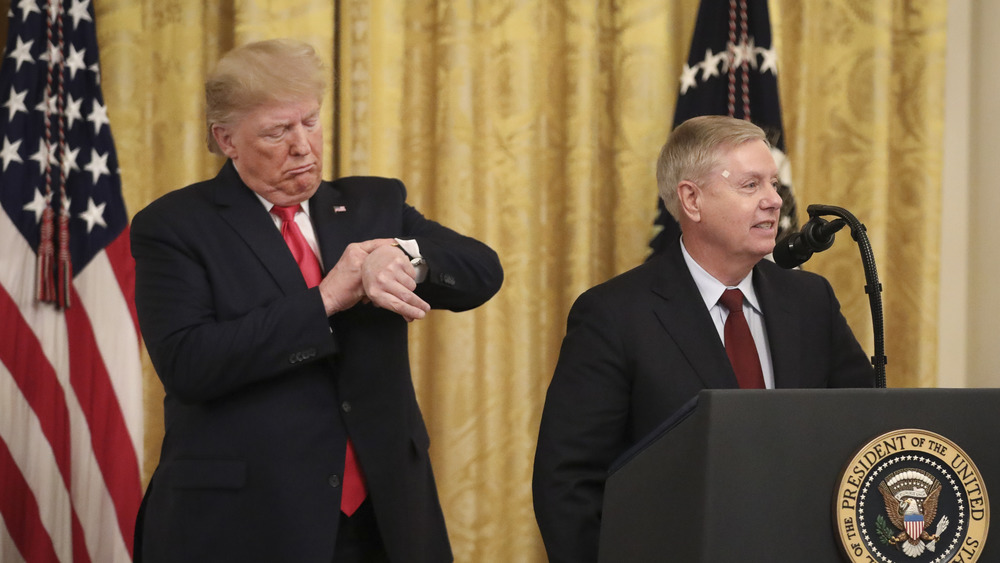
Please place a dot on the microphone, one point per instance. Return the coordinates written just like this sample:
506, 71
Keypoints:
815, 236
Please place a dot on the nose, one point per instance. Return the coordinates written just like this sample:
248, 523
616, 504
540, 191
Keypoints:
771, 198
298, 142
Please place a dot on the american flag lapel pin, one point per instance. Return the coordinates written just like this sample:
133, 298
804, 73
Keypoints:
339, 209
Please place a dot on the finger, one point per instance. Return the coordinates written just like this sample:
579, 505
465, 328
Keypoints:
370, 245
400, 300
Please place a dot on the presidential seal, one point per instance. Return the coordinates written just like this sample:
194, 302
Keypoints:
914, 496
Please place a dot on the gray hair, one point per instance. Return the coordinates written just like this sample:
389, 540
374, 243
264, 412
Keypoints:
693, 151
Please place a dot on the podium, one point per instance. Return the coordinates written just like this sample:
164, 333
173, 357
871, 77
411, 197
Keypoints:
752, 475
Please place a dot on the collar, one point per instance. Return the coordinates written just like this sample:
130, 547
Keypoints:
711, 289
304, 206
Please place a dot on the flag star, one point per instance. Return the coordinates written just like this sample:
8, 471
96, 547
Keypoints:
69, 160
52, 54
735, 55
98, 165
37, 205
48, 105
97, 72
98, 116
10, 152
72, 111
79, 11
770, 60
75, 61
15, 103
744, 54
43, 156
688, 78
709, 66
94, 215
28, 6
22, 53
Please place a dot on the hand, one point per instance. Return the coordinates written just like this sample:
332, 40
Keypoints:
388, 280
342, 287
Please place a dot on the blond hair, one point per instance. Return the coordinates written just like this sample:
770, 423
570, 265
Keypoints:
259, 73
694, 149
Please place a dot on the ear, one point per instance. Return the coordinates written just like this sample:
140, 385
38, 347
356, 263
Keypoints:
689, 198
224, 137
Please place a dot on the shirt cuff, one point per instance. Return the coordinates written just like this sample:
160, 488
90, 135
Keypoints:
412, 249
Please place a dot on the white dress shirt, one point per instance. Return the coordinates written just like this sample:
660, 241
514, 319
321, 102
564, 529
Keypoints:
711, 290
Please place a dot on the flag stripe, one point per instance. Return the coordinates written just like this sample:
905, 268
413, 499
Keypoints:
9, 552
20, 513
30, 370
21, 352
119, 254
34, 479
97, 398
109, 312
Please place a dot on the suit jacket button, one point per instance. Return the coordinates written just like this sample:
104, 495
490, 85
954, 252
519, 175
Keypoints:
334, 481
346, 406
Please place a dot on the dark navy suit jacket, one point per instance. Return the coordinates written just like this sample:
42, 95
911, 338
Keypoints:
637, 348
262, 388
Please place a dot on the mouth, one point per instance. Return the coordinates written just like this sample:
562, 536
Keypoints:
302, 169
765, 225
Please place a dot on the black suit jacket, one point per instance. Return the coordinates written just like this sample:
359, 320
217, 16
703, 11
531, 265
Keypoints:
637, 348
262, 388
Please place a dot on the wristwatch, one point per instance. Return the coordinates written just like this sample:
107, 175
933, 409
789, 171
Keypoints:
416, 262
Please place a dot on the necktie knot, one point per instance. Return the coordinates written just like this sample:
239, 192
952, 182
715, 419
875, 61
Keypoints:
732, 300
287, 212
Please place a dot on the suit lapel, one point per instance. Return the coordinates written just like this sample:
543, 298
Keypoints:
333, 216
783, 326
681, 312
240, 208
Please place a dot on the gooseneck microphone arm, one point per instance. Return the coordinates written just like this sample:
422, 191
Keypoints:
817, 235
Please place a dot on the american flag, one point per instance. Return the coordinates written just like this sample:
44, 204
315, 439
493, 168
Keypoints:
70, 369
732, 70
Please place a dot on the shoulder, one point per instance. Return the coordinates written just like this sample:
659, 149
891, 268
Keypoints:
369, 185
189, 200
627, 289
795, 281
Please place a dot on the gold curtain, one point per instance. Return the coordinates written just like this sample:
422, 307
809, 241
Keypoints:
534, 126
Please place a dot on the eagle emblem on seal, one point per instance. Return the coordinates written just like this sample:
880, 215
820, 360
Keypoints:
911, 500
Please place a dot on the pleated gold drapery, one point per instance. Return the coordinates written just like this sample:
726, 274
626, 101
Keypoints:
534, 126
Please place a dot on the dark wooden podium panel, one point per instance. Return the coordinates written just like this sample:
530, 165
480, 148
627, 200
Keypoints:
752, 475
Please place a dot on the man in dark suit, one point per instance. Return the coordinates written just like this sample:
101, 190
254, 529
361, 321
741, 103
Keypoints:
280, 396
640, 345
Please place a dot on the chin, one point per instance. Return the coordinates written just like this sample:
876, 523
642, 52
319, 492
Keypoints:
302, 188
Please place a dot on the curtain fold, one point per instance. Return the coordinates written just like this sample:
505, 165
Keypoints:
534, 126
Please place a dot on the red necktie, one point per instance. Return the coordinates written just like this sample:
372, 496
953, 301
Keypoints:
353, 492
740, 346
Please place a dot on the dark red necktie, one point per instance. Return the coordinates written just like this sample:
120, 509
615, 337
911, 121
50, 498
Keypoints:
740, 346
353, 493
